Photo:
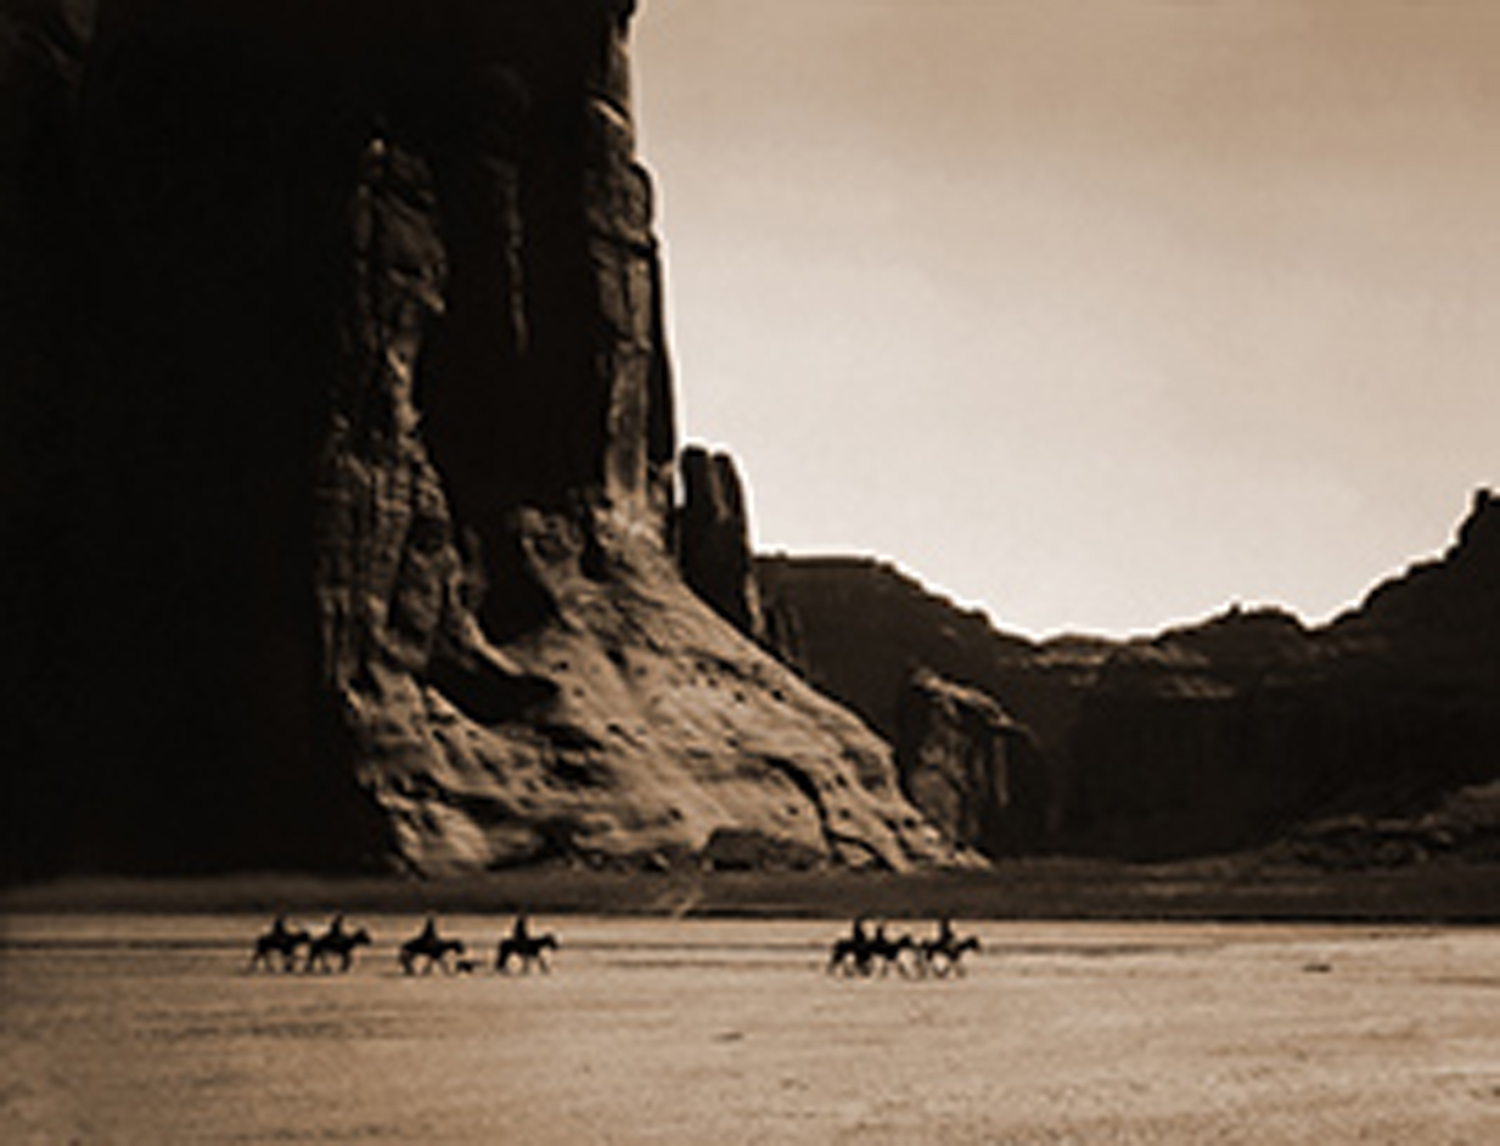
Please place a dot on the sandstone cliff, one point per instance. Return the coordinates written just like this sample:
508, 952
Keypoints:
970, 767
341, 448
1245, 728
713, 540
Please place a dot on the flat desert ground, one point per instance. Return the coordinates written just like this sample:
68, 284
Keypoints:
147, 1028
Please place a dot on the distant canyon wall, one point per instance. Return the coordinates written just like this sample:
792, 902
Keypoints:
340, 446
1229, 733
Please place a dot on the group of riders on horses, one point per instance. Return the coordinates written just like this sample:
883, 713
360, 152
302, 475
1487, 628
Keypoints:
433, 949
866, 953
862, 952
426, 950
283, 942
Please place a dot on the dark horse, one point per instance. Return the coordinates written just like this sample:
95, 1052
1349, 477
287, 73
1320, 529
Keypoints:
949, 950
278, 941
850, 956
339, 943
431, 948
860, 955
526, 949
888, 951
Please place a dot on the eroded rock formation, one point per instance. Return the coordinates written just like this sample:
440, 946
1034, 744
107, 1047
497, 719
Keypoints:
713, 539
344, 447
970, 767
1213, 736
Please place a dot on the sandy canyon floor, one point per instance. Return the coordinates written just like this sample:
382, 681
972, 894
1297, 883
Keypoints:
148, 1028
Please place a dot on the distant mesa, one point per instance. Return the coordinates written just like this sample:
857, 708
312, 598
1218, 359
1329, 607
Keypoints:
1232, 733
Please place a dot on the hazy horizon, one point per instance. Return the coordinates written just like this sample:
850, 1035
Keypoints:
1100, 317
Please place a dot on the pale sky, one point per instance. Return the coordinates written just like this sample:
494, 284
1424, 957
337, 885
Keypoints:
1097, 314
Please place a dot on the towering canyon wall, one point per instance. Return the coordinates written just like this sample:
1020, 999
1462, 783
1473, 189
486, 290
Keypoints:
341, 450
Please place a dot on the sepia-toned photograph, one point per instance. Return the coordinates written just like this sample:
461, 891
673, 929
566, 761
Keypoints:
677, 571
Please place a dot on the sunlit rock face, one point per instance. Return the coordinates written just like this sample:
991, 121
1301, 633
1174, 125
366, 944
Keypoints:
344, 447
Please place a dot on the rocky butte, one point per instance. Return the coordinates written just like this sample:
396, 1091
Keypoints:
339, 452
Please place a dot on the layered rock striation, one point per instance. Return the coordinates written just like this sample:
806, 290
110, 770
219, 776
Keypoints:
343, 457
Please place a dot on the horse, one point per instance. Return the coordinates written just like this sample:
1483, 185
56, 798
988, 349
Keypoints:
849, 956
861, 955
950, 949
888, 951
527, 949
431, 948
278, 941
340, 943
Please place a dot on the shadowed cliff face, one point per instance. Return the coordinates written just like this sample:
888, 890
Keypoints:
971, 768
1213, 736
713, 540
343, 448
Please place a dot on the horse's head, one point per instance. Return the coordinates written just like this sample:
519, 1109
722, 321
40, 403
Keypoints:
360, 938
